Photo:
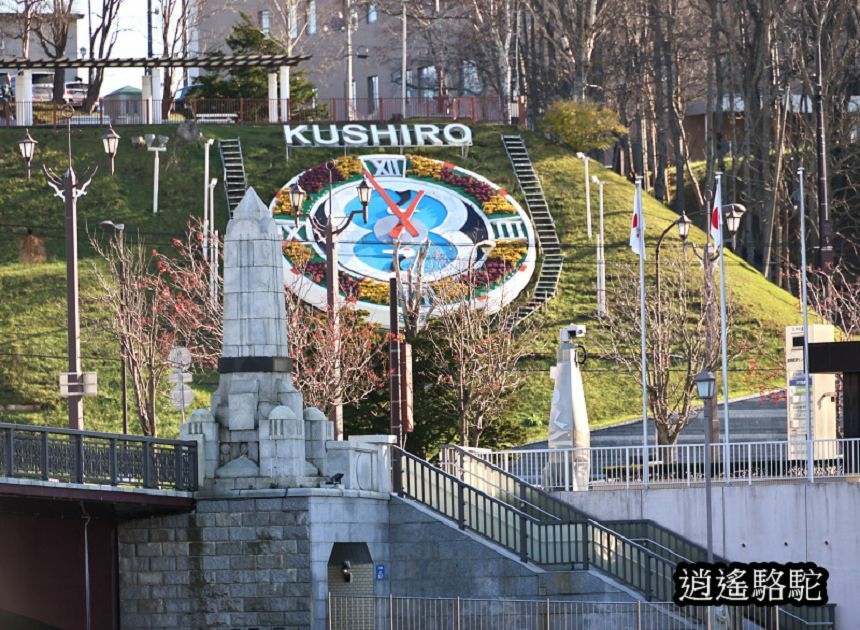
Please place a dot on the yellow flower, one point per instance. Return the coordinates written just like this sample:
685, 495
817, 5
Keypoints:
509, 251
372, 291
297, 253
348, 166
425, 167
498, 204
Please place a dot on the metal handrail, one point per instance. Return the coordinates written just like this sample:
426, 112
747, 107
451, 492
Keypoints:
584, 542
653, 532
620, 467
91, 457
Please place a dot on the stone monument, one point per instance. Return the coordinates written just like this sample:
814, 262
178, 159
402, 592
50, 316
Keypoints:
257, 434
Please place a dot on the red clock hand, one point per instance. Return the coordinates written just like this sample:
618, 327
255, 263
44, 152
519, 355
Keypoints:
404, 217
408, 215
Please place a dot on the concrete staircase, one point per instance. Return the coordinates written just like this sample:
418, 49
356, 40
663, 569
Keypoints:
546, 285
235, 181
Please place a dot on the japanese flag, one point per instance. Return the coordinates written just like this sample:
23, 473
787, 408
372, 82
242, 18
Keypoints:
637, 227
715, 222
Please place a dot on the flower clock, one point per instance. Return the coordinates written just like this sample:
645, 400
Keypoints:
476, 236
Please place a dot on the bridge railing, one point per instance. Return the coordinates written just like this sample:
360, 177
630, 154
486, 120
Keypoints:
613, 467
87, 457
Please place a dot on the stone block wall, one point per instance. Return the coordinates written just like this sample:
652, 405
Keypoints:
233, 563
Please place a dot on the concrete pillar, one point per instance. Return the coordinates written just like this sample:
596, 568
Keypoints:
156, 96
285, 93
24, 98
273, 97
146, 97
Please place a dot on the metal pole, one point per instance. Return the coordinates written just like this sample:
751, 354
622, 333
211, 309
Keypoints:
601, 262
709, 520
155, 183
76, 400
332, 294
825, 228
645, 471
207, 224
724, 343
807, 381
122, 340
349, 77
403, 67
394, 360
587, 198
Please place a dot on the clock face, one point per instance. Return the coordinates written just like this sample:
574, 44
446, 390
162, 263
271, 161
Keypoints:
415, 202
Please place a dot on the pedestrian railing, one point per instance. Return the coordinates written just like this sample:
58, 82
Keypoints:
665, 547
456, 613
260, 111
612, 467
86, 457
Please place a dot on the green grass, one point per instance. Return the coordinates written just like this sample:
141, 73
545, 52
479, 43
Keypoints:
32, 309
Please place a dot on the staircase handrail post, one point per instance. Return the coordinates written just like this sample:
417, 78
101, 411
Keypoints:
585, 545
44, 455
523, 538
461, 504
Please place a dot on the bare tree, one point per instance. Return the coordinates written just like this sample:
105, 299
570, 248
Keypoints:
53, 34
313, 339
153, 304
475, 358
676, 333
102, 38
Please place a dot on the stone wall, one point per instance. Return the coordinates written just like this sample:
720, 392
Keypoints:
233, 563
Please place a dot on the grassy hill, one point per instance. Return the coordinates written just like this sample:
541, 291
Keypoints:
32, 308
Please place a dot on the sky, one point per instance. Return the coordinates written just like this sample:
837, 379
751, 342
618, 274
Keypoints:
130, 43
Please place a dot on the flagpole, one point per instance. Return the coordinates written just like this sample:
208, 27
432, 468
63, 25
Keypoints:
724, 337
638, 205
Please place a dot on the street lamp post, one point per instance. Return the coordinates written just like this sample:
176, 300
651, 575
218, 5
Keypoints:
705, 381
118, 230
110, 141
156, 144
297, 199
601, 260
27, 148
584, 159
68, 188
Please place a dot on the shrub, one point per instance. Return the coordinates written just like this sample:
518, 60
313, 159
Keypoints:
581, 125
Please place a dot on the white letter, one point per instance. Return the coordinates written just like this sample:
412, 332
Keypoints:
355, 135
375, 135
291, 134
463, 131
333, 140
429, 133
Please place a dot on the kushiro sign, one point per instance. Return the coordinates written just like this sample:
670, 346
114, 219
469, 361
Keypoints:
372, 135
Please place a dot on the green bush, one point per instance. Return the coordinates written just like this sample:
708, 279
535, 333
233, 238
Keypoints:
581, 125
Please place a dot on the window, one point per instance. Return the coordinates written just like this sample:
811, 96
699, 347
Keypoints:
264, 21
410, 86
312, 16
294, 20
373, 93
471, 79
428, 82
371, 13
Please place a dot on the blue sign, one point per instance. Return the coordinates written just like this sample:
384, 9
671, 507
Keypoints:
380, 572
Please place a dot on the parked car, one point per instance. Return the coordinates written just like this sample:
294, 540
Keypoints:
75, 93
181, 98
43, 92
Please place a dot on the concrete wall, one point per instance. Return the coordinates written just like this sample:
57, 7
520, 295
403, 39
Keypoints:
797, 522
433, 558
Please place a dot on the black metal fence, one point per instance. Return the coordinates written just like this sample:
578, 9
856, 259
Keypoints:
87, 457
